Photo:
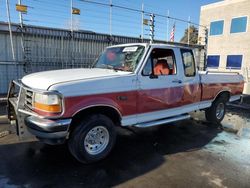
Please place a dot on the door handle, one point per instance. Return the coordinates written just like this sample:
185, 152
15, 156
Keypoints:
177, 81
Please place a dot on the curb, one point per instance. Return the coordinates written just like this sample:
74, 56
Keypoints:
4, 116
3, 100
242, 106
4, 120
4, 133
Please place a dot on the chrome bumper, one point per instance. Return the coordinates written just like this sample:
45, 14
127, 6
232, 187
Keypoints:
47, 125
48, 131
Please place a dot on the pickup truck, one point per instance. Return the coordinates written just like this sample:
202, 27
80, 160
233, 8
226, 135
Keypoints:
137, 84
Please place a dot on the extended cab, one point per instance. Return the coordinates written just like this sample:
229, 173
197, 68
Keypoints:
137, 85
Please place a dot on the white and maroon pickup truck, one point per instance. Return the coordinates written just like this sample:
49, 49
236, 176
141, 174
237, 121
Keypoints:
139, 85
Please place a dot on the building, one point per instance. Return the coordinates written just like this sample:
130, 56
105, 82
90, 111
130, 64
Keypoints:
228, 46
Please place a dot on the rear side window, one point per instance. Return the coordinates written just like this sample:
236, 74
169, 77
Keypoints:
188, 62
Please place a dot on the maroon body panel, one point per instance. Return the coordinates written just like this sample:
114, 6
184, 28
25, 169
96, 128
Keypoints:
142, 101
209, 91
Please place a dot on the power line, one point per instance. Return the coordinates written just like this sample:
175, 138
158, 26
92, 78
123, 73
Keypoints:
49, 10
130, 19
54, 3
47, 15
140, 11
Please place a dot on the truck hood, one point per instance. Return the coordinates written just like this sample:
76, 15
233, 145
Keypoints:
43, 80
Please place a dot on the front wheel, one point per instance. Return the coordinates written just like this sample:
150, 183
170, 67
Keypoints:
93, 139
217, 111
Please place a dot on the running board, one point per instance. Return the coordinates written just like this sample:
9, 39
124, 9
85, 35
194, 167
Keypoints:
163, 121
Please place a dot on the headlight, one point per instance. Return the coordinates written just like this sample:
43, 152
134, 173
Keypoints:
47, 102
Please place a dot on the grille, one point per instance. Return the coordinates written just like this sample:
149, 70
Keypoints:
28, 99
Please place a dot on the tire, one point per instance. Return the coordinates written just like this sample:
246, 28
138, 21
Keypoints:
93, 139
217, 111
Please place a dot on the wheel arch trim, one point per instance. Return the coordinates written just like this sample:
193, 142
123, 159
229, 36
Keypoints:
220, 92
98, 105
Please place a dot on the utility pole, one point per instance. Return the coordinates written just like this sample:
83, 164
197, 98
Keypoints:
27, 59
10, 30
71, 17
110, 18
152, 27
188, 30
168, 26
21, 25
72, 32
142, 22
20, 15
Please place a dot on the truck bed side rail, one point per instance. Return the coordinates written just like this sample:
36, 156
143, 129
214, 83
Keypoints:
221, 72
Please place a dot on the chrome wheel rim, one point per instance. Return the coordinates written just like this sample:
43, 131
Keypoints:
96, 140
220, 110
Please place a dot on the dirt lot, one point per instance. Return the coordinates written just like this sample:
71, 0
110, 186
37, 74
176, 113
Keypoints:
189, 153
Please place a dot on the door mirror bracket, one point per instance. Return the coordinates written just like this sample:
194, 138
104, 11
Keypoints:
152, 76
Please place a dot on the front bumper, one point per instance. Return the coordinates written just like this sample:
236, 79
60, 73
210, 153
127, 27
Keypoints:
48, 131
29, 124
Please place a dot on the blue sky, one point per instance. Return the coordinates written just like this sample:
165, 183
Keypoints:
96, 18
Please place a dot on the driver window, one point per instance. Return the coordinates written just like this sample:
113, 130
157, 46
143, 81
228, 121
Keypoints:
160, 62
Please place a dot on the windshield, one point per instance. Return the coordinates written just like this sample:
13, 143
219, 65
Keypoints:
124, 58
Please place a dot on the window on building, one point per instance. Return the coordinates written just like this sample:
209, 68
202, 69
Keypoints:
234, 61
216, 28
238, 25
213, 61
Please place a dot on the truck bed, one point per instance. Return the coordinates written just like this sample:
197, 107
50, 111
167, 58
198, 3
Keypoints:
215, 82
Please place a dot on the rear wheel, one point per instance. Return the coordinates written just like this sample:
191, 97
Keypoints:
93, 139
217, 111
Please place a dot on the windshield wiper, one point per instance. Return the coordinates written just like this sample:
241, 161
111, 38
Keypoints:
106, 66
121, 69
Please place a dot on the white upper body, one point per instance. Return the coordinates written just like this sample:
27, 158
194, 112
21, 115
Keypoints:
83, 81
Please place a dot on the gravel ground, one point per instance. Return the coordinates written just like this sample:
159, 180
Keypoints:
190, 153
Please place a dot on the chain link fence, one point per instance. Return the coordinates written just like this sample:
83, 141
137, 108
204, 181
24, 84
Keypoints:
49, 49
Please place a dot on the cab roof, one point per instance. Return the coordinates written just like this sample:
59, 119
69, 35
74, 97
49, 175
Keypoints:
153, 45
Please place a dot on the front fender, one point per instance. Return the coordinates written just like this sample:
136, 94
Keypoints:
126, 106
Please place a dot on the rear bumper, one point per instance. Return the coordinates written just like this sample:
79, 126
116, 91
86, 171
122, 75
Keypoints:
48, 131
235, 98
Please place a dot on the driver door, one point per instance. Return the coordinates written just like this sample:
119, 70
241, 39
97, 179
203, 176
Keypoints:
160, 85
